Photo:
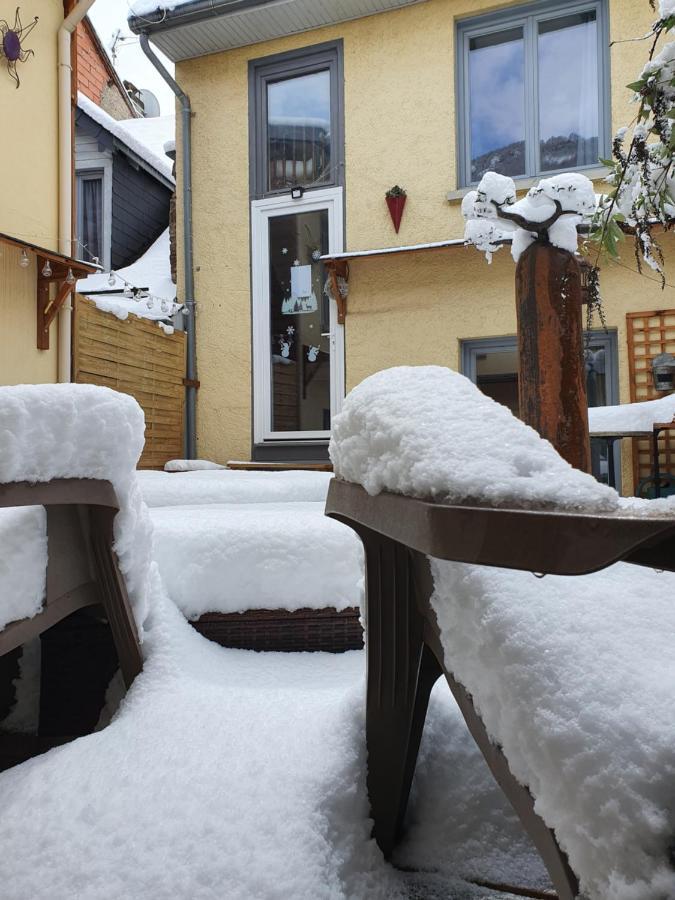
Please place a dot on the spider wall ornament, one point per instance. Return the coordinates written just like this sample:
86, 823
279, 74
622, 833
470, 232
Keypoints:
11, 44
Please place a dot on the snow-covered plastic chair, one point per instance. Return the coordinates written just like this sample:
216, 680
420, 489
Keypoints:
82, 567
75, 534
410, 451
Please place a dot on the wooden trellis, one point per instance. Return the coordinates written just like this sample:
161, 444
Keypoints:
649, 333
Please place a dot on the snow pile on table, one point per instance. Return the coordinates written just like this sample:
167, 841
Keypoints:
232, 486
234, 557
429, 432
23, 562
151, 272
233, 774
574, 678
486, 227
632, 416
79, 431
191, 465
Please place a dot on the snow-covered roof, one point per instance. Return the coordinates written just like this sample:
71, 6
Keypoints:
151, 271
144, 137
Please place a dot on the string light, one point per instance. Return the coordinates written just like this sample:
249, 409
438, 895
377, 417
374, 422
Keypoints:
111, 279
46, 269
70, 278
24, 262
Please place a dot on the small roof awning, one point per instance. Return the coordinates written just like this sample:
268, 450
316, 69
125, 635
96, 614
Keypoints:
52, 268
337, 265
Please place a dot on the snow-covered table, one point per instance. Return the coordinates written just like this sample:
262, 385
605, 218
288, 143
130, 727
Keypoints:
406, 654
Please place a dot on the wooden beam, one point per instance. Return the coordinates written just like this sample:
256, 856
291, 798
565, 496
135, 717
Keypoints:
48, 308
338, 268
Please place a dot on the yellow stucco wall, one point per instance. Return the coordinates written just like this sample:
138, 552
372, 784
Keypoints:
29, 193
399, 128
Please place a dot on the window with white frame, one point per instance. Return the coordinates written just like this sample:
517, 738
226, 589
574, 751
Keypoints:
533, 90
89, 219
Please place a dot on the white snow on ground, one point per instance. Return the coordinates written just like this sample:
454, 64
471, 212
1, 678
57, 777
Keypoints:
429, 432
632, 416
132, 138
231, 774
77, 430
574, 678
191, 465
234, 557
23, 562
152, 271
231, 486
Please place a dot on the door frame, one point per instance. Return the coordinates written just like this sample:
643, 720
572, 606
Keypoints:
262, 211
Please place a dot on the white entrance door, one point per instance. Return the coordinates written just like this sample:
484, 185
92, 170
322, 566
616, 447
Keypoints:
298, 346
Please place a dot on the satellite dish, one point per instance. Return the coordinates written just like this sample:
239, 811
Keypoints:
150, 103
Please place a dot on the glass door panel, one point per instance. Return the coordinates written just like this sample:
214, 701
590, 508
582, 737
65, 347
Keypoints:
299, 323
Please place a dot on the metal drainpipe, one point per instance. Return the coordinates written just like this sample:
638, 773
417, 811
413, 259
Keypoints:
188, 257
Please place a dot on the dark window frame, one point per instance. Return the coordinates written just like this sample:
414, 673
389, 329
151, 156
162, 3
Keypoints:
502, 20
281, 66
609, 340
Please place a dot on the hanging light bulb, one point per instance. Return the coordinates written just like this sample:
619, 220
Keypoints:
111, 279
149, 303
70, 278
24, 262
96, 260
47, 269
127, 292
164, 306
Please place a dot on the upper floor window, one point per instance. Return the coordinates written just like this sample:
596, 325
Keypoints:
533, 90
296, 120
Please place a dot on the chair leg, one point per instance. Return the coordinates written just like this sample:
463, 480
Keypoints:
401, 674
114, 594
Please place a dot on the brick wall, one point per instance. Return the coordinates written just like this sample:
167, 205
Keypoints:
94, 77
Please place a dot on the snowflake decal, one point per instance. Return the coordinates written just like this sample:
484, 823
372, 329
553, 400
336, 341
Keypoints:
11, 47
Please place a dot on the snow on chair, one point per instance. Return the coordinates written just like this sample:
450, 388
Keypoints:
74, 528
429, 434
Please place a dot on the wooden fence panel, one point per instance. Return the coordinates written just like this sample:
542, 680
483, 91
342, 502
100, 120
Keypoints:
649, 334
136, 357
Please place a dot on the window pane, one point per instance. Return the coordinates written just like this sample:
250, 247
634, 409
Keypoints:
497, 376
298, 131
497, 103
568, 91
299, 323
90, 199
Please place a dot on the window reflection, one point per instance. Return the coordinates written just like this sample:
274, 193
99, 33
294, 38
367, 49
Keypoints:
568, 102
298, 131
497, 103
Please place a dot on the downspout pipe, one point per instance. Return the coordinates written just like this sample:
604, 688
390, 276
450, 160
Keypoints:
188, 254
65, 137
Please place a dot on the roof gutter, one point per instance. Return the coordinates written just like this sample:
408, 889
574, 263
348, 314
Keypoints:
188, 253
191, 13
65, 133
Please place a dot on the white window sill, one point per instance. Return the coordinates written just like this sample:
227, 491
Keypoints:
595, 173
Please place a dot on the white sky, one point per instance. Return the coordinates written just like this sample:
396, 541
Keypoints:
109, 15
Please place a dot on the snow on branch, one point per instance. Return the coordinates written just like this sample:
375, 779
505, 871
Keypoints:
551, 211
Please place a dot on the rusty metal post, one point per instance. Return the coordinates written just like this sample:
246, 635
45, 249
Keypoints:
552, 380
